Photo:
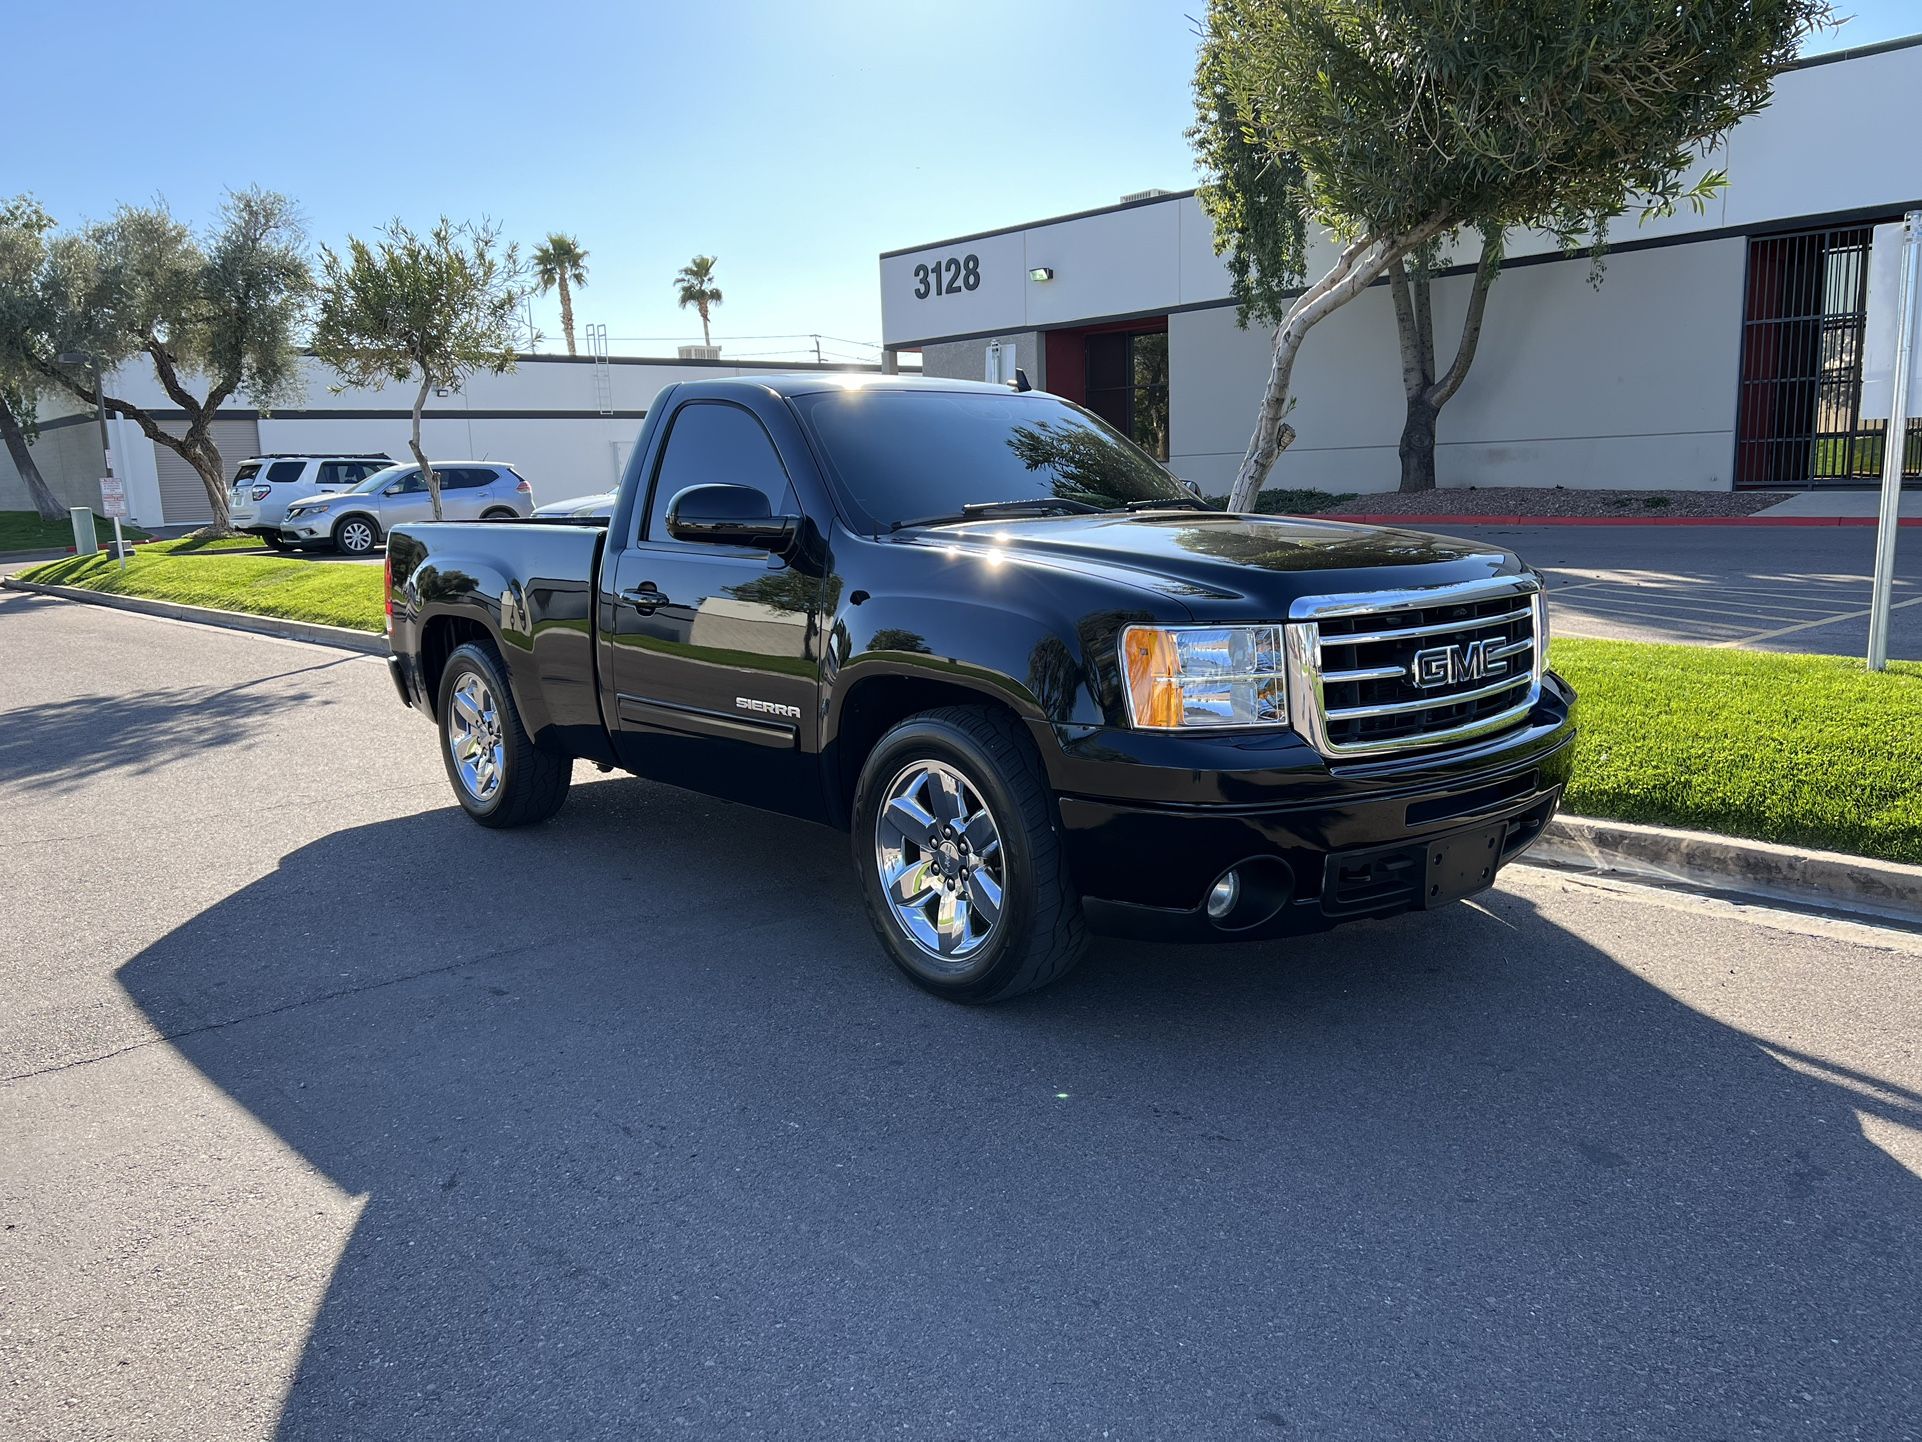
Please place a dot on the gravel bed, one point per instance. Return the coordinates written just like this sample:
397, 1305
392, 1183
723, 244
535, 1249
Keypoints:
1555, 501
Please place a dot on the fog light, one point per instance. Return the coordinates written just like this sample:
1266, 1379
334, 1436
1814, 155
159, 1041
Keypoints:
1226, 892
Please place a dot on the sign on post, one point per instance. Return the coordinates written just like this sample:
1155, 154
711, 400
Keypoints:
113, 504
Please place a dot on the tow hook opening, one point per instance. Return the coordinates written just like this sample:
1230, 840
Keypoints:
1249, 893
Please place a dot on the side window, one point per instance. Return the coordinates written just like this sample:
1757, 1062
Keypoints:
342, 473
716, 443
467, 478
409, 485
283, 471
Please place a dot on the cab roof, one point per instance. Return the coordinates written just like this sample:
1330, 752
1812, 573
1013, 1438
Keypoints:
817, 382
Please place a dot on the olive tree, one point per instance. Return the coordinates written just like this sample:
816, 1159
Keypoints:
431, 309
23, 225
1398, 124
217, 315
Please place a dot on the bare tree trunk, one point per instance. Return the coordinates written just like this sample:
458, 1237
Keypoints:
1358, 267
44, 503
567, 316
427, 475
1418, 445
1427, 393
200, 452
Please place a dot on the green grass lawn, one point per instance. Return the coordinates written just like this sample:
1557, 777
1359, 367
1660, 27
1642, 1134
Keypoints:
25, 531
264, 585
1807, 750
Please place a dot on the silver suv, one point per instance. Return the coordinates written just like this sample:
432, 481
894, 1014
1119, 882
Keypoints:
264, 485
358, 520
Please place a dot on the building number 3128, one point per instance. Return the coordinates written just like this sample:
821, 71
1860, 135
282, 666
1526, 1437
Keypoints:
963, 273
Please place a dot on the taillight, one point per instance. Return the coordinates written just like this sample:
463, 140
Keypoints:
260, 493
523, 488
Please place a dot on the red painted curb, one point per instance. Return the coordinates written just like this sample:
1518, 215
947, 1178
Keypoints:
1401, 520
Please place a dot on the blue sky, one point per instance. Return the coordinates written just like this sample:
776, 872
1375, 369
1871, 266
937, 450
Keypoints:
794, 141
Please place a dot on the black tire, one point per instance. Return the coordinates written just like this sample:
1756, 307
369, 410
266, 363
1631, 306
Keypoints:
356, 535
272, 543
533, 783
500, 513
1040, 933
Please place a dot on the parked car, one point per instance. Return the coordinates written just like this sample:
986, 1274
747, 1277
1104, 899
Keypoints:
1043, 687
580, 508
263, 486
356, 521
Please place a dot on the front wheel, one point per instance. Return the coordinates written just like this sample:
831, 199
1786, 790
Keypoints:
356, 536
500, 777
961, 866
272, 542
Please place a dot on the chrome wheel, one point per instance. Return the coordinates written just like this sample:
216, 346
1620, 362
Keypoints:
357, 538
474, 737
938, 853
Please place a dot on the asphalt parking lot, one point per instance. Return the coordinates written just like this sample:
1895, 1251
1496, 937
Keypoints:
1774, 588
328, 1114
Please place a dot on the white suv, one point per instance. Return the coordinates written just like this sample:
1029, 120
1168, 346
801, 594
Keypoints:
264, 485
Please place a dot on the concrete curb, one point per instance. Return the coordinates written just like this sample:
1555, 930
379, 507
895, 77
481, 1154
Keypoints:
340, 636
1827, 880
1378, 519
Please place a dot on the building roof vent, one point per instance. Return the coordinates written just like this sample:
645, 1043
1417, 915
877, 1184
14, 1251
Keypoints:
1135, 195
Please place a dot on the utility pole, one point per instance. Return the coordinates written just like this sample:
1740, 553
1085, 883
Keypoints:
1895, 446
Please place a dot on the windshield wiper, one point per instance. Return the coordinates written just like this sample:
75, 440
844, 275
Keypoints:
982, 510
1173, 503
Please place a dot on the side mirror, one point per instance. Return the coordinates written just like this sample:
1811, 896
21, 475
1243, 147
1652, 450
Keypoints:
729, 516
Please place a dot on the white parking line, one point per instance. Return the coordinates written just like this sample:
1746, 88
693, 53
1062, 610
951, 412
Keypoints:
1811, 625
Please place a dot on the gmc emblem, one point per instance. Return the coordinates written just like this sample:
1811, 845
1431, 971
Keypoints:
1452, 665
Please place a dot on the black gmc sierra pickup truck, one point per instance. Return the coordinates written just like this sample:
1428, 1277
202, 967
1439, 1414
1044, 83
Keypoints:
1043, 686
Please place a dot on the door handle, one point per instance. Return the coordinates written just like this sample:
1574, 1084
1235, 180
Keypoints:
646, 598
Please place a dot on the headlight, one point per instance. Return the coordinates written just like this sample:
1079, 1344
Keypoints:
1204, 676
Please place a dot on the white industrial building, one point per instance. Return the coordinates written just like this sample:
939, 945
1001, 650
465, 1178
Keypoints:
1719, 350
565, 423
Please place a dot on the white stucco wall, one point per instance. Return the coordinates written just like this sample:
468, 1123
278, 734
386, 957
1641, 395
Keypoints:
1631, 384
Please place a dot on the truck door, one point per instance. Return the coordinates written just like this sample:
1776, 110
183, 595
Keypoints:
712, 654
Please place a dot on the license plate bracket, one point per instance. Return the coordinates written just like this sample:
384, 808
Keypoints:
1461, 864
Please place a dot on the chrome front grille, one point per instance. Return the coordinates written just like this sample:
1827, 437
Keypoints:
1380, 673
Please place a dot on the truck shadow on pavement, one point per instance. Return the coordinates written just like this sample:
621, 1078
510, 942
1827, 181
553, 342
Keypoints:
651, 1135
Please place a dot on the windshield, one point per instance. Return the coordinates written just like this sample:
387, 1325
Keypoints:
907, 455
385, 477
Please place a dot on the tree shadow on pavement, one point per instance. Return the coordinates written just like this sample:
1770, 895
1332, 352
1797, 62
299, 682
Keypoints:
650, 1135
60, 745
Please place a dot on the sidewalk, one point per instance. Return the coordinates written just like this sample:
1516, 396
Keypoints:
1842, 505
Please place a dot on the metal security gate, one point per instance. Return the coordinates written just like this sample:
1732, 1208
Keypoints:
1799, 413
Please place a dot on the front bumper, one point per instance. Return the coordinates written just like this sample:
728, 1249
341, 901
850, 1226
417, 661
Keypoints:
304, 530
1332, 842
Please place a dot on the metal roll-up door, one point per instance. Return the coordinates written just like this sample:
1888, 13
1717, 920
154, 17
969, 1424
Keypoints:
183, 499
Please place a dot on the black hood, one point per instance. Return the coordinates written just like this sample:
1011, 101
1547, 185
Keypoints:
1219, 565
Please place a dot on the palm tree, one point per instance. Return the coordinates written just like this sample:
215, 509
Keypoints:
558, 264
698, 289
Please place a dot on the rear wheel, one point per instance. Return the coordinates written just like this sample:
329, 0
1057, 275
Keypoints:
356, 536
270, 541
961, 866
500, 777
499, 513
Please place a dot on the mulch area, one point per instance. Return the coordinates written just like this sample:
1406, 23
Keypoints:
1555, 501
